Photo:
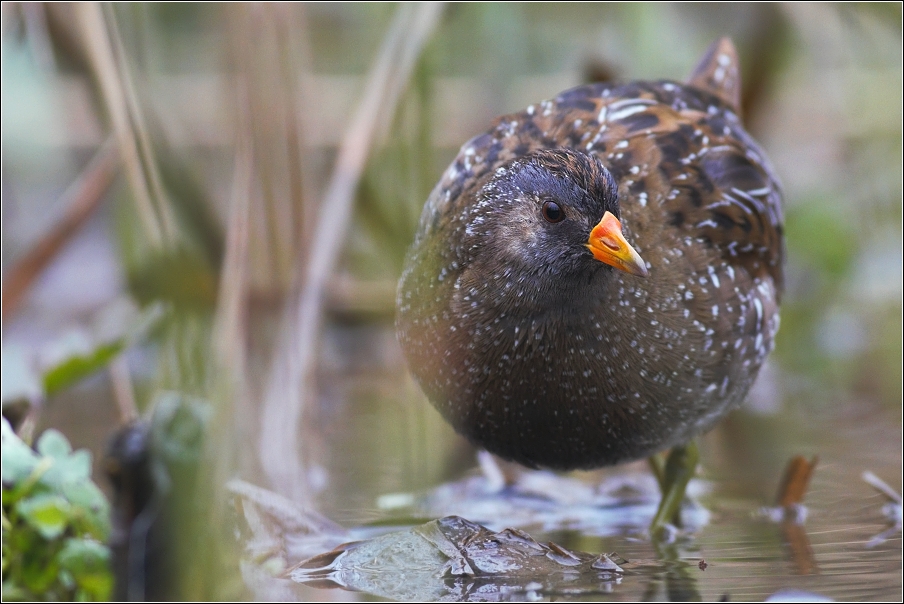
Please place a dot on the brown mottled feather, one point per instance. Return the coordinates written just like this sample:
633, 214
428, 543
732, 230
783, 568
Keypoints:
641, 364
718, 73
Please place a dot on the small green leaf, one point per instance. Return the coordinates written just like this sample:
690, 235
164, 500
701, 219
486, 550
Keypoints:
78, 367
89, 564
178, 426
23, 488
53, 444
18, 460
79, 464
48, 514
40, 573
68, 466
74, 468
85, 494
90, 506
78, 354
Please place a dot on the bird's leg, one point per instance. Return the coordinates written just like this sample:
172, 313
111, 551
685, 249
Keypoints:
495, 476
673, 476
657, 467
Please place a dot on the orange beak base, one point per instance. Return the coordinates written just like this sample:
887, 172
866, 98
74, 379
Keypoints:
607, 244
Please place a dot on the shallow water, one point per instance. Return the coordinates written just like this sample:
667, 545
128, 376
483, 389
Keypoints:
380, 459
388, 462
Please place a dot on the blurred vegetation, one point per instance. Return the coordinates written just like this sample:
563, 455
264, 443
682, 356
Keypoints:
55, 522
227, 122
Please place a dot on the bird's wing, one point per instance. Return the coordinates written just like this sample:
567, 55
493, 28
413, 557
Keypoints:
683, 150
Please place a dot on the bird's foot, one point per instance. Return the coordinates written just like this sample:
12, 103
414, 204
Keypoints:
673, 475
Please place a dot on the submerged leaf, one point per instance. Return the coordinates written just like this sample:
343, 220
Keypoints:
452, 558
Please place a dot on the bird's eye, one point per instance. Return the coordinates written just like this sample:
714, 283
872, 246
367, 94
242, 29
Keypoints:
553, 212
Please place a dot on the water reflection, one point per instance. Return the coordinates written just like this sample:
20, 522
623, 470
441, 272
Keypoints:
798, 546
678, 582
394, 465
844, 546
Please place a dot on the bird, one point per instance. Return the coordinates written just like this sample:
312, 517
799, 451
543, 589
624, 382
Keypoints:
597, 278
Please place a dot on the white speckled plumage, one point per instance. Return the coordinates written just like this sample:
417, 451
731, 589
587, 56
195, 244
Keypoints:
541, 354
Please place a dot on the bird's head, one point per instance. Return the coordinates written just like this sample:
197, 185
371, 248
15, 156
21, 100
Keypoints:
552, 212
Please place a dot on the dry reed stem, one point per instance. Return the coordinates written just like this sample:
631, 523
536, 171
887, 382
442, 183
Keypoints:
298, 67
269, 144
140, 131
263, 60
289, 384
100, 53
79, 201
261, 64
123, 391
229, 335
229, 322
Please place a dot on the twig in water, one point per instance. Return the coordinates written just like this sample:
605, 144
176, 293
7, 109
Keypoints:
795, 481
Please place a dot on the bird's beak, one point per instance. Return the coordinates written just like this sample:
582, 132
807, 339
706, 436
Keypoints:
607, 244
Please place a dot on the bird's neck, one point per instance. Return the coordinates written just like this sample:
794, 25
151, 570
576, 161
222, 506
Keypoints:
563, 301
